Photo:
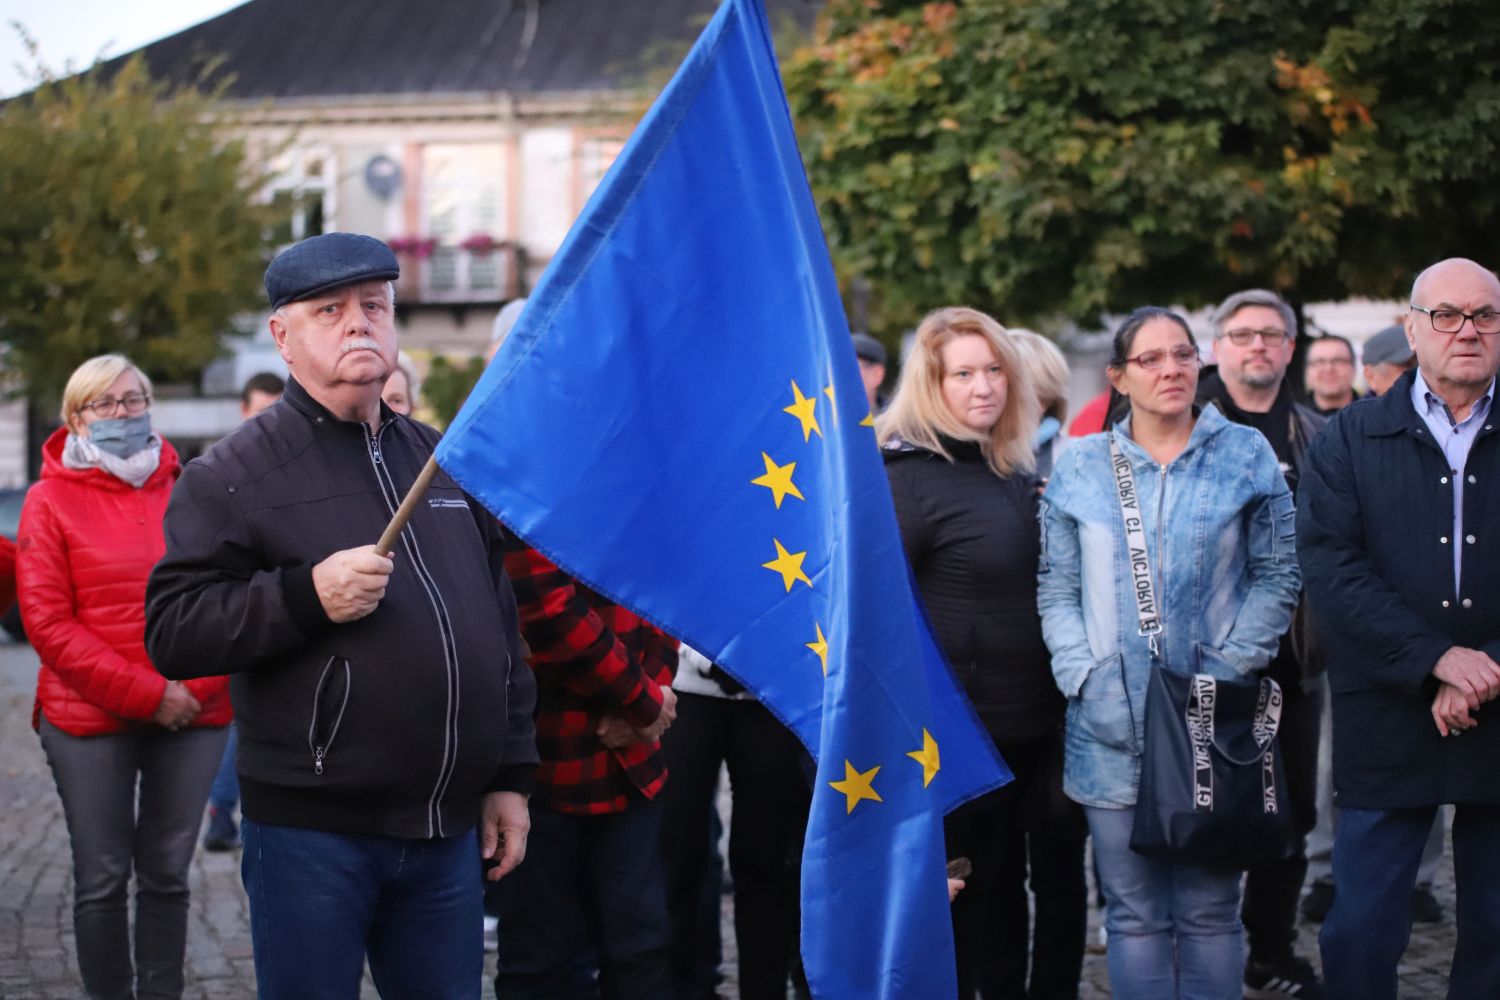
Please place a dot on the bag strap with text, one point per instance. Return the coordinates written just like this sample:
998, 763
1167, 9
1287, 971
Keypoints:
1141, 586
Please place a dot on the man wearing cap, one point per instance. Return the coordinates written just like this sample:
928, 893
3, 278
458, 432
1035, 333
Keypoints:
1396, 532
1386, 357
383, 706
871, 355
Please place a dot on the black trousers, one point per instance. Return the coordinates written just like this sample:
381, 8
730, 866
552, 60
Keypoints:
1027, 831
584, 917
1272, 891
771, 799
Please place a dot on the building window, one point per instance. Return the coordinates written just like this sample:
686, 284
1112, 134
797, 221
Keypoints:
463, 191
300, 193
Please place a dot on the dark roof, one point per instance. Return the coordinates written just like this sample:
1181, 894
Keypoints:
335, 48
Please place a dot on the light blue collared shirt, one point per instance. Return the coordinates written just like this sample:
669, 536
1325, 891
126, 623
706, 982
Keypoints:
1455, 438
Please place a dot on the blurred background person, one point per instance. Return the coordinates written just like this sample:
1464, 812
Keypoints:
259, 392
132, 753
1328, 373
957, 441
1047, 369
871, 356
222, 832
505, 321
720, 723
1217, 519
1387, 356
402, 388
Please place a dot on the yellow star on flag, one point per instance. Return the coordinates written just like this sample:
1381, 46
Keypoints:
857, 785
927, 757
833, 403
820, 647
789, 565
869, 420
778, 479
805, 410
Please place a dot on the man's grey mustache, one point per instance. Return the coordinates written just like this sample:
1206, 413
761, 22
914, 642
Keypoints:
359, 344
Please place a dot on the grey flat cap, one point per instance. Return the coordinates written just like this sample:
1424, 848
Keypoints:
1388, 347
319, 263
867, 348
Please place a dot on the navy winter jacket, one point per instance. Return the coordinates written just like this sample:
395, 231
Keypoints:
1375, 537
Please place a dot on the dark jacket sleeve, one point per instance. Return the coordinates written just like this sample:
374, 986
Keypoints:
211, 606
519, 759
1398, 648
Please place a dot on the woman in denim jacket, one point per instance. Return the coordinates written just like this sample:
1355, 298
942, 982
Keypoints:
1220, 535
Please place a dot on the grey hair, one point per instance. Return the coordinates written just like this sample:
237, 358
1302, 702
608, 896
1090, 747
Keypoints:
1253, 297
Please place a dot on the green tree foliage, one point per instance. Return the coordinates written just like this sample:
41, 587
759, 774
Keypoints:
448, 385
128, 222
1049, 159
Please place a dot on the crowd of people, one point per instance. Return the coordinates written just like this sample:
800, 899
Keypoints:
428, 742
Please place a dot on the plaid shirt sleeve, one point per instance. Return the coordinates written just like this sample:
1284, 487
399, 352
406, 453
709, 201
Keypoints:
567, 636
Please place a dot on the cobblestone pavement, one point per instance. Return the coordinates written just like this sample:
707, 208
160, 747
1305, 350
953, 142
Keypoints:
36, 929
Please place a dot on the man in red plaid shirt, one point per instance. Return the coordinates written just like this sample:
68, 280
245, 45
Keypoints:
590, 900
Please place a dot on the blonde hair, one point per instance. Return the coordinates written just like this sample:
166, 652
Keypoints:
406, 366
1048, 370
919, 415
90, 379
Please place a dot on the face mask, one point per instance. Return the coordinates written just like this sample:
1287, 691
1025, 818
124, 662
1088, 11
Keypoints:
123, 437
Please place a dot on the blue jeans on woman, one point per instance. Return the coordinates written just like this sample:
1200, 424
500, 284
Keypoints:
1174, 929
319, 901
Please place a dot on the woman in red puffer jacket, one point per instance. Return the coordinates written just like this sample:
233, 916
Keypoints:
132, 753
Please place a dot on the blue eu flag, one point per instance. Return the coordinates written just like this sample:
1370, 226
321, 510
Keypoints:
678, 421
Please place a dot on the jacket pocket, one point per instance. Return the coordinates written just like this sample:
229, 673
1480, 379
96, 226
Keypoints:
1283, 527
330, 700
1103, 711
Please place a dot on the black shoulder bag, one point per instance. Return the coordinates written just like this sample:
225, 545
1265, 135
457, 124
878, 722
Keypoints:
1213, 789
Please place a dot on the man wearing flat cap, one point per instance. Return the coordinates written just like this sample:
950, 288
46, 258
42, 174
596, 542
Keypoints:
384, 710
871, 355
1386, 357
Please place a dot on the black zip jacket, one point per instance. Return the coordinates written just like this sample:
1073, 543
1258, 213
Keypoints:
394, 724
973, 543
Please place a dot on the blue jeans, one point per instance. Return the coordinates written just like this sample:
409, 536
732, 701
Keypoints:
320, 901
585, 915
1375, 857
1174, 929
224, 794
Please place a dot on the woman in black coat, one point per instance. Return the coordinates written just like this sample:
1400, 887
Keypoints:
957, 440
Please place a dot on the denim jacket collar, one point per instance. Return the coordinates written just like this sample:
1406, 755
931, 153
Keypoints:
1209, 424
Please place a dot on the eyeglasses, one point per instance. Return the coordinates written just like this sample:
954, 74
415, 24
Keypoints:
1186, 357
135, 404
1329, 363
1244, 336
1451, 320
